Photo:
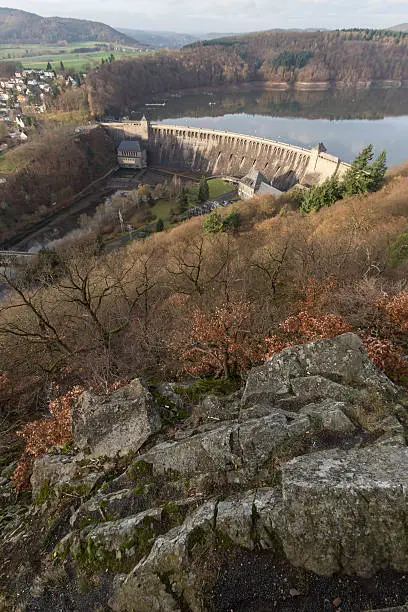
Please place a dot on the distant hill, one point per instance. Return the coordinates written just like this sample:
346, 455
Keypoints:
402, 27
21, 27
171, 40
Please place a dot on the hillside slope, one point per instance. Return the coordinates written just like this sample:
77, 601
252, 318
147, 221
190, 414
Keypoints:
23, 27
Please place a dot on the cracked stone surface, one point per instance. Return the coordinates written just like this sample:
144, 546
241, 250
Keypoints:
118, 423
289, 470
347, 511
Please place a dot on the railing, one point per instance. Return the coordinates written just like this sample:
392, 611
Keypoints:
167, 126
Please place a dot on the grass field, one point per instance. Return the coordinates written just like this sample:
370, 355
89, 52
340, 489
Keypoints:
161, 210
37, 56
218, 187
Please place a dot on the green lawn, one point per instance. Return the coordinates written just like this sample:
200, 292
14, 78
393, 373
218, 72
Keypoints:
218, 187
161, 210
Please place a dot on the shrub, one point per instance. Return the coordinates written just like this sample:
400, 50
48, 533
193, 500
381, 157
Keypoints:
305, 327
321, 195
232, 221
43, 434
213, 223
388, 358
398, 251
220, 342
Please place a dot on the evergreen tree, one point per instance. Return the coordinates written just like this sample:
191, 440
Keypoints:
321, 195
159, 225
378, 171
49, 67
62, 66
203, 190
357, 179
363, 175
182, 201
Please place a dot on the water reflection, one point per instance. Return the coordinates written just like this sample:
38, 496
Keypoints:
345, 120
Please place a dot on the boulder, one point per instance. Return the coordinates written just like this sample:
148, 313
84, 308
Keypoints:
113, 505
336, 369
347, 511
329, 416
116, 423
51, 470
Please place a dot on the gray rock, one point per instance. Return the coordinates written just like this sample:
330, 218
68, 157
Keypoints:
213, 409
166, 390
113, 541
329, 415
331, 368
248, 520
52, 470
115, 505
391, 439
229, 446
145, 594
390, 424
347, 511
115, 424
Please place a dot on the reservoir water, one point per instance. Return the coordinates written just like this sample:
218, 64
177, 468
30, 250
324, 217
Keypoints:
345, 120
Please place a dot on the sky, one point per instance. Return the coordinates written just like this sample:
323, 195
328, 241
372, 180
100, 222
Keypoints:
225, 15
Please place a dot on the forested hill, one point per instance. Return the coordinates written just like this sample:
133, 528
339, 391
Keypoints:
22, 27
350, 57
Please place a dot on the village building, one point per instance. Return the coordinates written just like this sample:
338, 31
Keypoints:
254, 183
131, 154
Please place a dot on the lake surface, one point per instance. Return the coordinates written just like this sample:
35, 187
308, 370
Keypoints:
344, 120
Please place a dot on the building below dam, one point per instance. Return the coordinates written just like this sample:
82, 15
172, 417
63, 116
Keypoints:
223, 153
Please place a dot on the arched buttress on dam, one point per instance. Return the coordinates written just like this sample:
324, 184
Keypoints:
217, 152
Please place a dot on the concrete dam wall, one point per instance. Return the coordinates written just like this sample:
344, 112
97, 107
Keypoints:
217, 152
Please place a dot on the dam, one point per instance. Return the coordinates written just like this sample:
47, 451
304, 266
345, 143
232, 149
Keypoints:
223, 153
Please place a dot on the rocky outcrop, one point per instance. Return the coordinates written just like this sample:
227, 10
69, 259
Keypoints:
310, 466
347, 510
118, 423
335, 369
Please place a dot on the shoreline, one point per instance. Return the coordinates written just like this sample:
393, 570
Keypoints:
285, 86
